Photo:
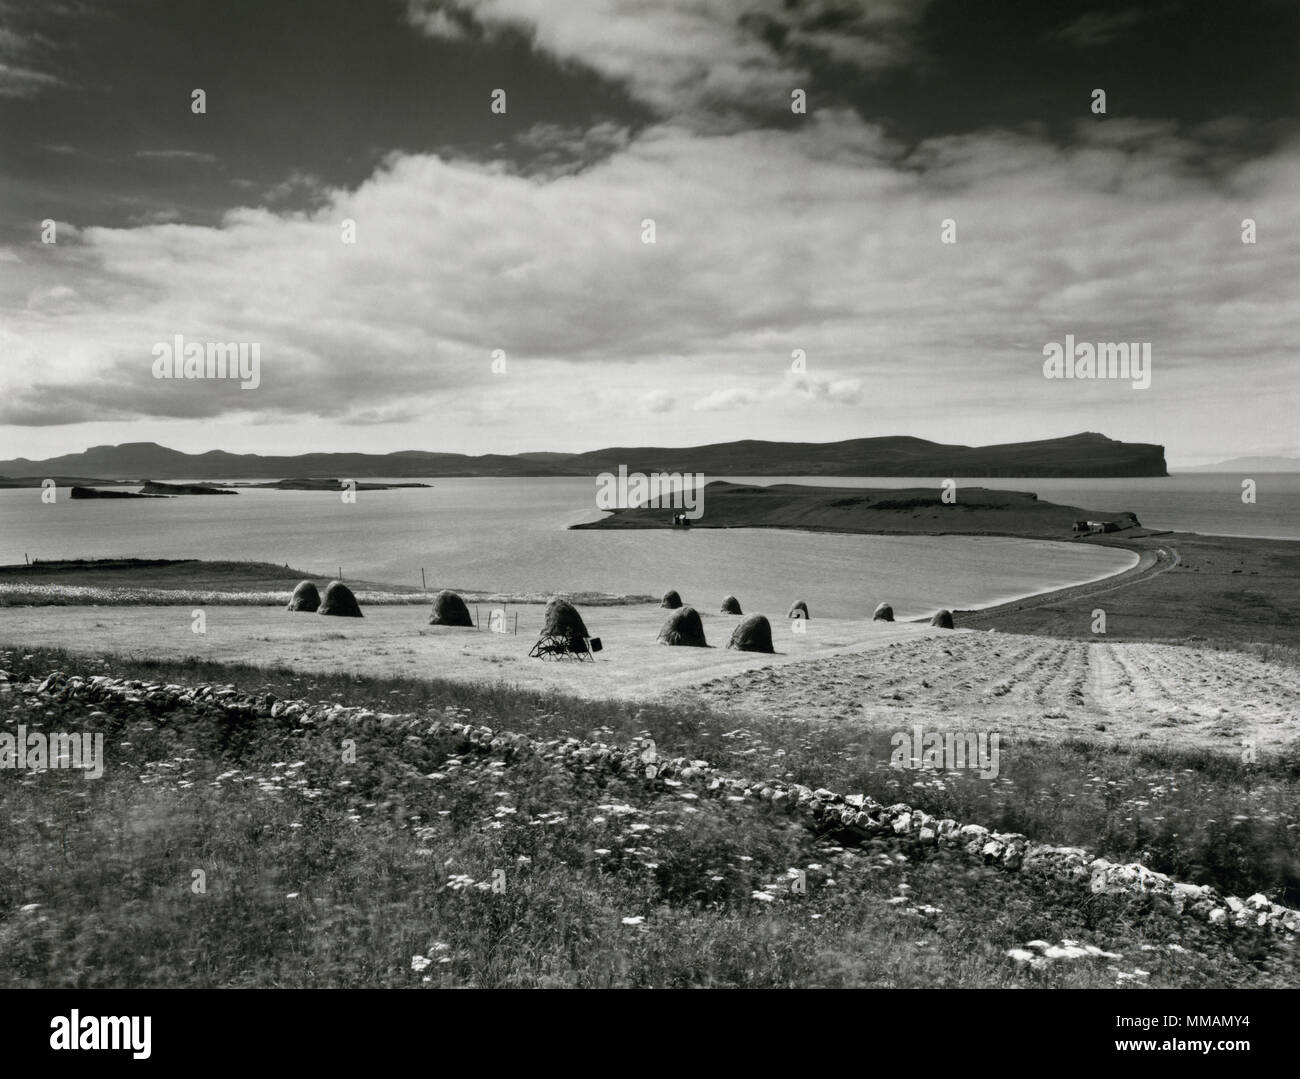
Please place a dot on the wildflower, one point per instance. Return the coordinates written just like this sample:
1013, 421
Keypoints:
635, 920
420, 962
766, 897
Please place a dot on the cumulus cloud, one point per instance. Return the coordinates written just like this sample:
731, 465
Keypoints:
56, 297
685, 57
556, 149
824, 238
657, 401
845, 391
721, 400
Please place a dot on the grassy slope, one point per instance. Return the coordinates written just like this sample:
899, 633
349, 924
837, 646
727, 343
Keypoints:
1224, 590
325, 873
189, 574
919, 510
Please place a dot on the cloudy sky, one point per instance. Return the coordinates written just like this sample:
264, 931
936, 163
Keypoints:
522, 231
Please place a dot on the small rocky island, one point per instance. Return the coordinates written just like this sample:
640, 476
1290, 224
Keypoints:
95, 492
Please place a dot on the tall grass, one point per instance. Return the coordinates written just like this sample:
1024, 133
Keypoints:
318, 870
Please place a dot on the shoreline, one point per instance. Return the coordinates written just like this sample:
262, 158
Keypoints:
265, 585
1184, 586
1150, 562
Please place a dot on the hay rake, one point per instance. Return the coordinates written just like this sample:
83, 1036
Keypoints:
558, 646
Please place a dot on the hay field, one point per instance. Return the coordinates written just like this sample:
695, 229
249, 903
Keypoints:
882, 675
395, 642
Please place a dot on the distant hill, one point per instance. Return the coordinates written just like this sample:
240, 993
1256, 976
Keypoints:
1077, 455
1249, 464
1088, 454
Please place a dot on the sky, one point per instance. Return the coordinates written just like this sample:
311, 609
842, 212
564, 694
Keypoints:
500, 294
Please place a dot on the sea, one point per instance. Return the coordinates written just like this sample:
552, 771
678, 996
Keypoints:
512, 536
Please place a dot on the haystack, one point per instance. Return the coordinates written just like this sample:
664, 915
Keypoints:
754, 634
884, 613
731, 605
798, 609
684, 627
942, 619
563, 620
449, 610
671, 600
305, 597
340, 601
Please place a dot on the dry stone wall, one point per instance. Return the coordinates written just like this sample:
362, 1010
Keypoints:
852, 817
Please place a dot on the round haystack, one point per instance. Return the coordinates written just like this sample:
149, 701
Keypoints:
340, 601
731, 605
671, 600
754, 634
942, 619
305, 597
563, 620
884, 613
798, 609
684, 627
450, 610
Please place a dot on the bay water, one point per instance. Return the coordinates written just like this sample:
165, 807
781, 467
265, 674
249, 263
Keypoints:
511, 535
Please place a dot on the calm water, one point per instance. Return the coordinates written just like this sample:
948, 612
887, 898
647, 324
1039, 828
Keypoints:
511, 535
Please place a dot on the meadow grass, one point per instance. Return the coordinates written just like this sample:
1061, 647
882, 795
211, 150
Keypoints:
318, 871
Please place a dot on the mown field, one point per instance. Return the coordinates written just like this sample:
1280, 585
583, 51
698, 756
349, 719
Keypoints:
380, 870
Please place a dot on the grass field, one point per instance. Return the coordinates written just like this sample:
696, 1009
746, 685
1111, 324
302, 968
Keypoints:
323, 872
